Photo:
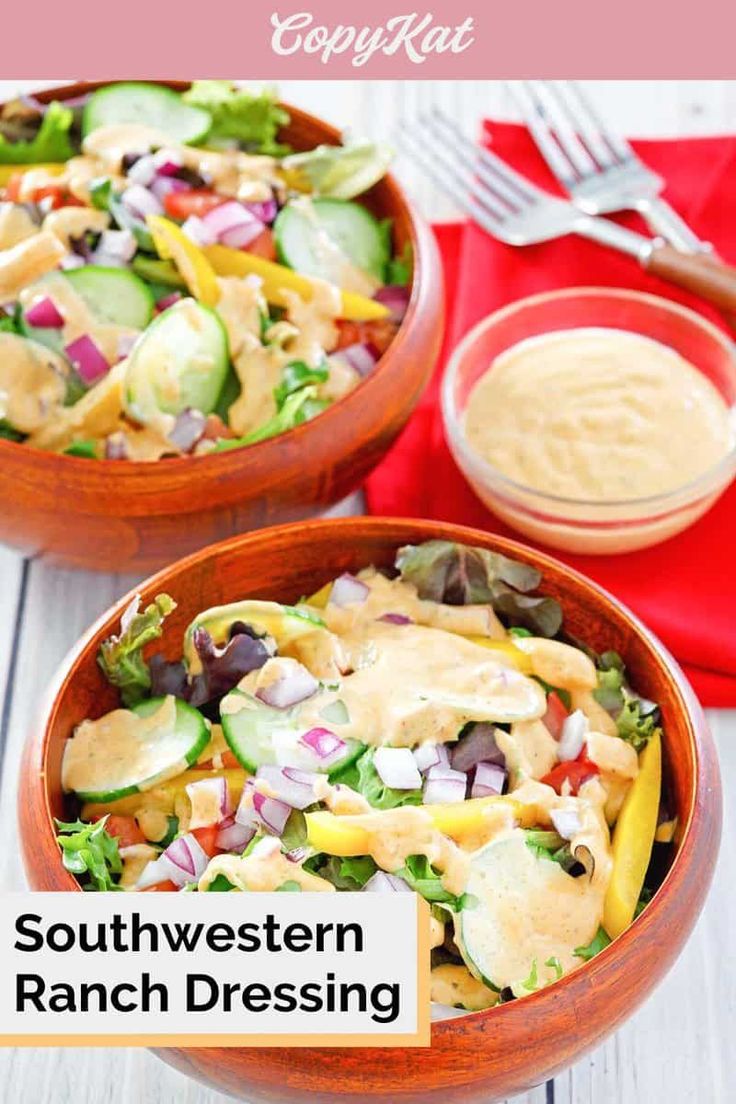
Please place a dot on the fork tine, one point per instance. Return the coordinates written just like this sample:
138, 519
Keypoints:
558, 163
594, 129
559, 122
445, 180
464, 171
505, 181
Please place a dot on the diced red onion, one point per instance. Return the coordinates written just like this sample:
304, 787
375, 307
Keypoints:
143, 170
245, 814
141, 201
325, 744
396, 298
161, 186
240, 237
362, 357
45, 314
397, 768
272, 812
347, 590
297, 855
289, 784
381, 882
290, 689
265, 847
233, 836
444, 785
566, 822
427, 756
198, 232
71, 261
188, 428
231, 216
186, 859
217, 787
125, 345
396, 619
168, 301
572, 736
115, 247
87, 359
167, 162
489, 780
155, 872
264, 210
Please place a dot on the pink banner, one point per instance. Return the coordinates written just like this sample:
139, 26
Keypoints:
318, 39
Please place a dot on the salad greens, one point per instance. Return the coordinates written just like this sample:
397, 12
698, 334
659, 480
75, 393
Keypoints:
121, 657
89, 852
51, 144
252, 119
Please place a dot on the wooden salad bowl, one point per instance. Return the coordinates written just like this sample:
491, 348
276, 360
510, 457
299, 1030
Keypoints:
484, 1056
130, 516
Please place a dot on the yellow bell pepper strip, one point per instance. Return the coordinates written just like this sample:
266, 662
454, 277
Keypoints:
320, 598
633, 837
172, 244
8, 171
506, 648
336, 835
276, 278
164, 796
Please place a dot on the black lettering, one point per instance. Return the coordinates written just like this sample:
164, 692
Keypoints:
346, 989
62, 998
116, 997
249, 938
220, 937
357, 933
389, 1009
22, 927
284, 999
296, 932
272, 929
148, 989
184, 936
143, 927
312, 994
211, 993
254, 993
60, 937
29, 987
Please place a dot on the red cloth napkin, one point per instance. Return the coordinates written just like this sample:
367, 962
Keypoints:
685, 588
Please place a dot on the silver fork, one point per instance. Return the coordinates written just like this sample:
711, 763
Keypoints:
515, 211
598, 168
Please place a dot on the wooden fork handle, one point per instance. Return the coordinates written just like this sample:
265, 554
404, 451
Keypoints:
702, 273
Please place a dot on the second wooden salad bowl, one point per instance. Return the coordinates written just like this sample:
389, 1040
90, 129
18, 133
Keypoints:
125, 516
485, 1056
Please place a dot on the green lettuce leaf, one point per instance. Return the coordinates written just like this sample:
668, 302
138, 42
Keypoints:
637, 719
420, 875
600, 940
347, 874
250, 118
7, 433
297, 408
341, 172
363, 777
458, 574
89, 852
121, 657
51, 143
220, 884
637, 722
297, 375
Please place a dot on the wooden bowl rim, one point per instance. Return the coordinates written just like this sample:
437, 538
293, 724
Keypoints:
706, 775
214, 463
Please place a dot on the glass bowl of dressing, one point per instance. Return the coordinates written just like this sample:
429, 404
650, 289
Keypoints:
597, 420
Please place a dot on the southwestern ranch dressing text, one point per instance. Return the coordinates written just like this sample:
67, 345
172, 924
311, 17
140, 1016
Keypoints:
597, 414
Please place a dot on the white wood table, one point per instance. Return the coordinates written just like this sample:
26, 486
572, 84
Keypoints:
678, 1047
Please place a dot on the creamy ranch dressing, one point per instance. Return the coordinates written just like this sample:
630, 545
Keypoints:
32, 383
78, 318
597, 414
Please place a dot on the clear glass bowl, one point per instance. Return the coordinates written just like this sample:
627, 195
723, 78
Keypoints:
578, 525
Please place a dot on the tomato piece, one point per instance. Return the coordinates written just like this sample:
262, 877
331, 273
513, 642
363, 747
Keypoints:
556, 714
199, 201
379, 333
161, 887
263, 246
228, 759
206, 837
575, 772
125, 830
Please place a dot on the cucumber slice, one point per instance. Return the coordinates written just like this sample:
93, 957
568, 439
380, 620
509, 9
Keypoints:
299, 230
150, 104
259, 735
114, 295
179, 363
524, 912
143, 758
156, 271
283, 623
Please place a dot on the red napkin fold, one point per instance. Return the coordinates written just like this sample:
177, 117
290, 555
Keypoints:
685, 588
